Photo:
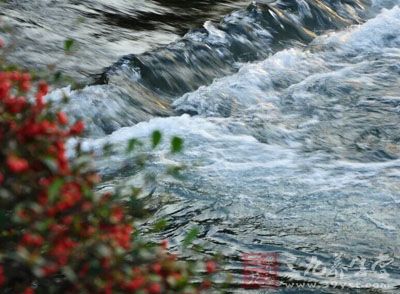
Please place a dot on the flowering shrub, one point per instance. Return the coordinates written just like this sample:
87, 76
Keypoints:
56, 234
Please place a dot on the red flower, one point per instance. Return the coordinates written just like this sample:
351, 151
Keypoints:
177, 276
154, 288
32, 240
17, 164
164, 244
63, 165
62, 206
93, 178
87, 206
211, 266
58, 229
107, 289
157, 268
4, 89
49, 270
25, 86
52, 211
105, 263
77, 128
62, 250
206, 284
62, 118
2, 277
117, 214
16, 105
39, 101
84, 270
29, 290
67, 220
135, 284
25, 77
71, 193
15, 76
43, 87
122, 235
48, 127
44, 182
42, 198
22, 214
1, 178
31, 129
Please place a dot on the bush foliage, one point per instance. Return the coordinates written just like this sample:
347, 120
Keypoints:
57, 235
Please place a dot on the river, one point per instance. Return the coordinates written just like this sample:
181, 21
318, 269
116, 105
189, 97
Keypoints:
290, 115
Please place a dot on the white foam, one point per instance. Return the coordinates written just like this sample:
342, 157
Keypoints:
253, 84
375, 34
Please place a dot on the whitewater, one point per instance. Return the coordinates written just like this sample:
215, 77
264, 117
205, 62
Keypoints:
290, 115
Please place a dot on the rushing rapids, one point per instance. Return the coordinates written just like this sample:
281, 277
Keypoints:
151, 81
290, 113
243, 36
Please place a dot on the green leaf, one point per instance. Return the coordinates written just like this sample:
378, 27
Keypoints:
57, 76
95, 267
68, 44
160, 225
132, 143
175, 170
176, 144
136, 207
107, 149
136, 191
191, 236
42, 226
156, 138
50, 163
54, 189
141, 160
3, 218
87, 192
69, 273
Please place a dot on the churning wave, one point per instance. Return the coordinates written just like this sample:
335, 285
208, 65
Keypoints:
144, 86
290, 113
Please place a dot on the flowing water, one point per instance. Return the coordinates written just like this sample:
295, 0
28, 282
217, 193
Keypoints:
290, 113
103, 30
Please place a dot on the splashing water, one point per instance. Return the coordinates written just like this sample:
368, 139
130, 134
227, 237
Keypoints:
290, 113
